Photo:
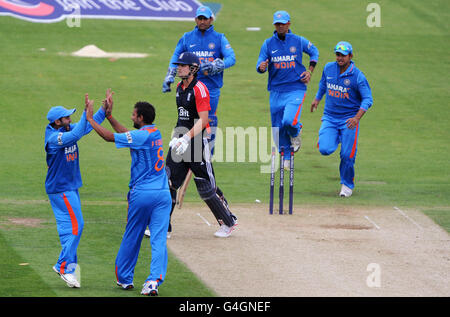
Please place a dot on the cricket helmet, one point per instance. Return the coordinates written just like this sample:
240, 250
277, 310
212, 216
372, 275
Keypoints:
188, 58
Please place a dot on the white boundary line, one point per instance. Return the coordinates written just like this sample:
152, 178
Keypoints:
372, 222
407, 217
206, 221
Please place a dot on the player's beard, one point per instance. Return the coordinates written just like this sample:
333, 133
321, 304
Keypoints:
136, 125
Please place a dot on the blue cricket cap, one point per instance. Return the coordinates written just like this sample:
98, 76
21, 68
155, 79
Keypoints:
344, 48
58, 112
204, 11
281, 17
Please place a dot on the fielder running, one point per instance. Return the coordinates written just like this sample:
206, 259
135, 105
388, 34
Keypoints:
189, 148
149, 199
282, 55
63, 181
348, 98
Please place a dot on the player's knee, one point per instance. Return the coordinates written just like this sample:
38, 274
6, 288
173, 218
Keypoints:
325, 150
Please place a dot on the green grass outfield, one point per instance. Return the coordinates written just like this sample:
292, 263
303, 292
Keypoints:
404, 138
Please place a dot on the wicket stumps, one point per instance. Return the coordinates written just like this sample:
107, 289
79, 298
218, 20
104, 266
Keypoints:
281, 187
272, 180
281, 192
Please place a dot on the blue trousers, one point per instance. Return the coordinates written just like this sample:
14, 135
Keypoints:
146, 207
69, 223
331, 133
285, 113
212, 115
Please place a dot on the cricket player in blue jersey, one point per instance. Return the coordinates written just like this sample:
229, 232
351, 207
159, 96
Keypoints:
63, 181
282, 56
348, 98
149, 200
215, 54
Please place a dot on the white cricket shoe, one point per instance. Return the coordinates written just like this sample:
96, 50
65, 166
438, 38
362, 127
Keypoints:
150, 288
296, 142
125, 286
70, 279
225, 231
287, 165
345, 191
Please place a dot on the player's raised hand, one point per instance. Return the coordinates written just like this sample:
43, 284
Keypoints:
109, 102
89, 107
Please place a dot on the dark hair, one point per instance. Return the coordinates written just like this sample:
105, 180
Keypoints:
146, 110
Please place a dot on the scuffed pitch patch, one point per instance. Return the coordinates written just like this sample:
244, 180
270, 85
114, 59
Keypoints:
317, 251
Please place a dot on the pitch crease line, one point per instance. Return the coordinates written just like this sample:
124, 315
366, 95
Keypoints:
372, 222
206, 221
407, 217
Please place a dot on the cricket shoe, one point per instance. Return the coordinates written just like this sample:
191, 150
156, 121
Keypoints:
296, 142
225, 231
287, 165
70, 279
345, 191
150, 288
125, 286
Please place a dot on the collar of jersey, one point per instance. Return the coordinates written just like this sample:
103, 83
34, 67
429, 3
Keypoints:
208, 30
348, 71
276, 36
147, 126
192, 84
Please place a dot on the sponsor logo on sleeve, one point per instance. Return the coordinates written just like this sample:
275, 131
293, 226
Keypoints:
129, 138
60, 142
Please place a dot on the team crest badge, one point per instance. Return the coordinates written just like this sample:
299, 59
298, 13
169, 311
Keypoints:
347, 82
211, 46
292, 49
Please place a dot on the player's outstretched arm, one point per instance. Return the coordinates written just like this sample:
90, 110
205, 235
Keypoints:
101, 131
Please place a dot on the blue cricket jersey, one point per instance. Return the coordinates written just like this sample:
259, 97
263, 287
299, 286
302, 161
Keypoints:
207, 47
62, 157
147, 157
346, 93
286, 61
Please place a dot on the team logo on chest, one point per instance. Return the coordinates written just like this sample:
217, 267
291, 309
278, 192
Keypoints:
347, 82
211, 46
292, 49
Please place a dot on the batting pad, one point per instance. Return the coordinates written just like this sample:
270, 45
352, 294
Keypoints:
215, 204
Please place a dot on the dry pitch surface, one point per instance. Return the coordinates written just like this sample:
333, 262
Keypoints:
315, 252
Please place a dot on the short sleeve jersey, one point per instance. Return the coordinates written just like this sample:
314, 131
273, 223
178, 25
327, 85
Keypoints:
147, 157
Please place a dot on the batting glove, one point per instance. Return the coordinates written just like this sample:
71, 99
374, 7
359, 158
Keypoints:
182, 144
173, 143
170, 78
218, 66
206, 68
